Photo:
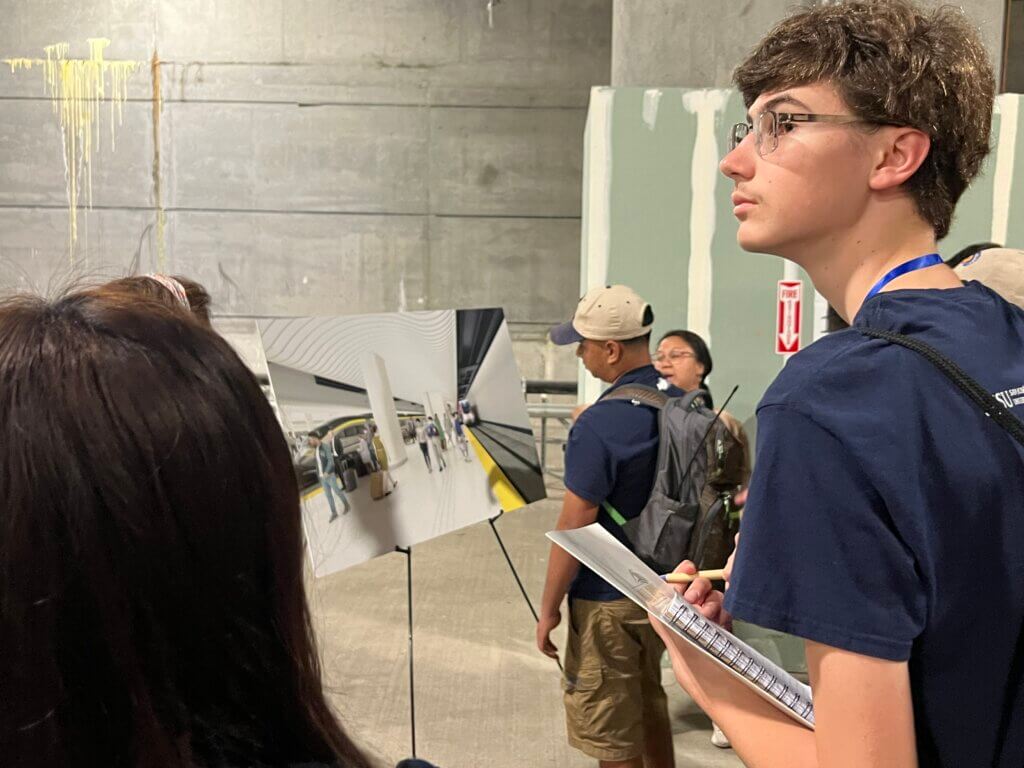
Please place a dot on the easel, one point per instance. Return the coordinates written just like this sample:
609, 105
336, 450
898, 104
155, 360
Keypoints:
407, 551
515, 575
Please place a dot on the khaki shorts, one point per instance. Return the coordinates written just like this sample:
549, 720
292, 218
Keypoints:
612, 678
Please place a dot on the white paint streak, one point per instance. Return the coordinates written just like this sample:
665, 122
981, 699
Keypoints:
1007, 104
652, 97
597, 188
703, 178
402, 301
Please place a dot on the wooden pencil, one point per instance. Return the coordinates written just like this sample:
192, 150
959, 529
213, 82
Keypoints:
716, 574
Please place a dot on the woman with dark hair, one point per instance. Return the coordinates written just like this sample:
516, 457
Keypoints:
683, 359
152, 609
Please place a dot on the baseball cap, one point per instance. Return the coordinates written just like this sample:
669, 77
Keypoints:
1001, 269
606, 313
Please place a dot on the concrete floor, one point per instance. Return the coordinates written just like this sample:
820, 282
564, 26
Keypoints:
484, 695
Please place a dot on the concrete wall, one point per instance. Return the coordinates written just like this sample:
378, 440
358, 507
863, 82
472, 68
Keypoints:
1015, 48
320, 156
697, 43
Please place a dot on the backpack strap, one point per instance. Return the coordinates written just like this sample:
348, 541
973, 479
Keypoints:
613, 513
641, 394
994, 409
1001, 415
638, 394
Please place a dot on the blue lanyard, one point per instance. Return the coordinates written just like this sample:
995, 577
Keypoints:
921, 262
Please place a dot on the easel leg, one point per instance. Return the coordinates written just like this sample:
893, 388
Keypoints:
407, 551
515, 575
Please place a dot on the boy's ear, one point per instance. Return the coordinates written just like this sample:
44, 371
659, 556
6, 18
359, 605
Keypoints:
902, 151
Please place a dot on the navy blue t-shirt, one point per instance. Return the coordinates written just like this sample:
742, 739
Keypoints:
611, 455
886, 514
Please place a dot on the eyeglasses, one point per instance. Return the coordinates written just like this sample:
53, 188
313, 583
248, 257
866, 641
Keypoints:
672, 355
768, 125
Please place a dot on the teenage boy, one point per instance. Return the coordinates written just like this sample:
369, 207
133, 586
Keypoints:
885, 522
615, 708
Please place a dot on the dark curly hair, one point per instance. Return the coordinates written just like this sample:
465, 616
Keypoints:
893, 63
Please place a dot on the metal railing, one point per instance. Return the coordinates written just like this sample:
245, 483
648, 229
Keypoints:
545, 411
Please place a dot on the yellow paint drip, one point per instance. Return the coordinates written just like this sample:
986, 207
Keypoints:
76, 88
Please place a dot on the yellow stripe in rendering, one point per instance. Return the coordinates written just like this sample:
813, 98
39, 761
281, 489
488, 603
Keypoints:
508, 496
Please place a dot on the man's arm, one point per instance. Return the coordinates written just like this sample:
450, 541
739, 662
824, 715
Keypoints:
562, 568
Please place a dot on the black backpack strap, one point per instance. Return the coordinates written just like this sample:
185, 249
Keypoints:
1001, 415
994, 409
638, 394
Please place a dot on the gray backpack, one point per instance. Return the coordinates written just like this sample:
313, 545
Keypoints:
690, 514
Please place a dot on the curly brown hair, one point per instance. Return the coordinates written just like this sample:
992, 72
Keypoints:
893, 63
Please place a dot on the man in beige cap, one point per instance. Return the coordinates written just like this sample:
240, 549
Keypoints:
615, 707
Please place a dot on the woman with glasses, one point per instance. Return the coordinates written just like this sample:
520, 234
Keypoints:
683, 360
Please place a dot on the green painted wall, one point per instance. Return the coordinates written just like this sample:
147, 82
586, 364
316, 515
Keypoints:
638, 192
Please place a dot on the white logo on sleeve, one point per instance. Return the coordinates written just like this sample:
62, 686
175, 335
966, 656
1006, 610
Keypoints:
1011, 397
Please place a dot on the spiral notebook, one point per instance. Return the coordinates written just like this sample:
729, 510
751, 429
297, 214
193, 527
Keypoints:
602, 553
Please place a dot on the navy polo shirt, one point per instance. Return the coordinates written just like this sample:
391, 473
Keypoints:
611, 455
886, 514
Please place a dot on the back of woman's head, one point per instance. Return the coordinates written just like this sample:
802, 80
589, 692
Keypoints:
152, 610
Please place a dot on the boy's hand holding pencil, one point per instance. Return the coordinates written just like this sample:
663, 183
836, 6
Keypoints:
696, 588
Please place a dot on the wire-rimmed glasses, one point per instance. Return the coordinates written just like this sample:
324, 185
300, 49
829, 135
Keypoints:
768, 125
673, 355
